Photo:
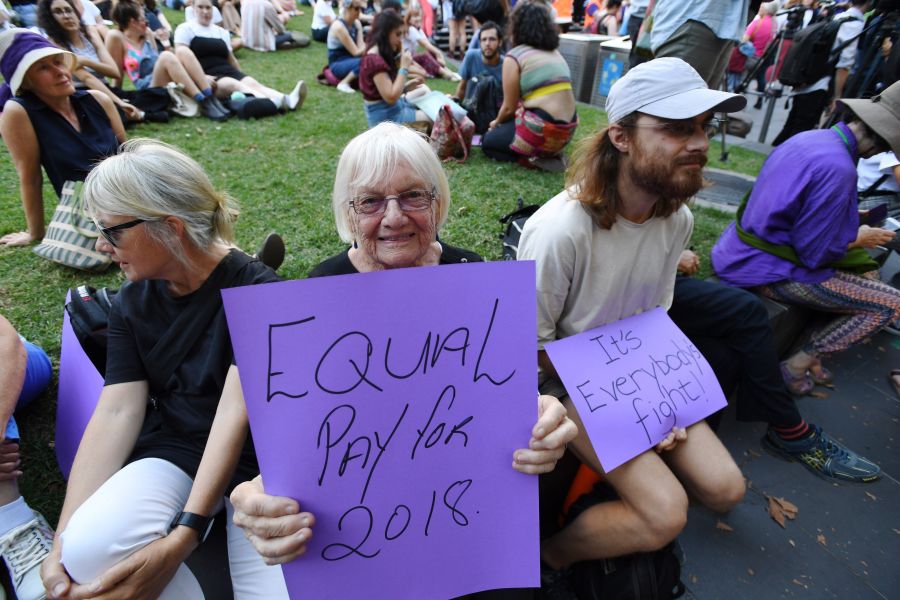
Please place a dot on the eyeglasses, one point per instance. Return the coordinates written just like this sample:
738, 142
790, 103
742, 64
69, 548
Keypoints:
683, 130
409, 201
111, 234
63, 11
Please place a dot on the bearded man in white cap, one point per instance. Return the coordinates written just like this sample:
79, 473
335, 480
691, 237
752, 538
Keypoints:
607, 248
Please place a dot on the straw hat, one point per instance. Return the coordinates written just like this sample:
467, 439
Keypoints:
882, 114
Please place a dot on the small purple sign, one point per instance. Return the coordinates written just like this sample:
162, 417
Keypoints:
389, 405
632, 381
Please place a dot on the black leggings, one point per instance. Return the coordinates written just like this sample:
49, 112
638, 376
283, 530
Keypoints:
730, 326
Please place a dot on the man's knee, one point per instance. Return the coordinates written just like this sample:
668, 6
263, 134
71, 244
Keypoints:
664, 515
727, 492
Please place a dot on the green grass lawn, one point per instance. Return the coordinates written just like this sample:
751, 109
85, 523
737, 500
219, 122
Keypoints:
280, 170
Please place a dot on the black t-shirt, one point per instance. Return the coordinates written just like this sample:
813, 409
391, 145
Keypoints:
340, 264
186, 403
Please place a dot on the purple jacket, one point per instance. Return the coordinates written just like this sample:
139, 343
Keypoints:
804, 197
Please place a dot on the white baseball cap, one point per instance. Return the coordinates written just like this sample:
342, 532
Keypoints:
668, 88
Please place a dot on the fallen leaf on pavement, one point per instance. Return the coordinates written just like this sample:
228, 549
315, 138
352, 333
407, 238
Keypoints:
790, 509
723, 526
818, 394
750, 571
775, 512
821, 539
871, 495
779, 509
791, 542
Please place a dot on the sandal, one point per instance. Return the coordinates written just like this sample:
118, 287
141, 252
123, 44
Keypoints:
799, 385
893, 377
820, 375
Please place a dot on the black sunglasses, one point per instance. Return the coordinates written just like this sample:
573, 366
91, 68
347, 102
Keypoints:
111, 234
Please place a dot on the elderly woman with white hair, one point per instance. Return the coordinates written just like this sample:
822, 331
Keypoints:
148, 476
390, 199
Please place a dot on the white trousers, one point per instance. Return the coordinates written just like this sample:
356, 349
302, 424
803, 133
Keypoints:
135, 507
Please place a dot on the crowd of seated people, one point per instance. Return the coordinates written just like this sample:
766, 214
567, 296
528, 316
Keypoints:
162, 220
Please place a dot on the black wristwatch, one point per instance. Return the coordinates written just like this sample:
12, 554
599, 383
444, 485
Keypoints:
198, 522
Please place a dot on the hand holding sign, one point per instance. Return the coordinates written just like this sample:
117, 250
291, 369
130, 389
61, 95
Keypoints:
633, 382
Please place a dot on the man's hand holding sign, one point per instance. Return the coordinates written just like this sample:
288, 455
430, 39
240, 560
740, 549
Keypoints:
636, 383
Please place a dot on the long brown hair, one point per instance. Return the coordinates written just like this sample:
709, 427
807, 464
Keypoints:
594, 177
595, 172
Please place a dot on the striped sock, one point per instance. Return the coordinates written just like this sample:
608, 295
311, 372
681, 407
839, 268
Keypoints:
794, 433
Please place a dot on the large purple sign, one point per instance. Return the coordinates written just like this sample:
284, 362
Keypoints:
632, 381
389, 405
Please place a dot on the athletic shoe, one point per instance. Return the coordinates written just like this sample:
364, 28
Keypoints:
295, 99
455, 76
212, 109
23, 550
822, 455
344, 87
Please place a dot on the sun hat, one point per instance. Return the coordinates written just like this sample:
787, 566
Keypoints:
668, 88
19, 49
881, 113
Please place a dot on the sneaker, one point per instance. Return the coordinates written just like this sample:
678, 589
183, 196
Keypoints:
823, 456
555, 585
212, 109
295, 99
23, 550
345, 87
456, 77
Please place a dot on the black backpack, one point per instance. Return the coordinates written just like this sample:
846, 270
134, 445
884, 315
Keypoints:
514, 222
810, 56
641, 576
484, 95
88, 311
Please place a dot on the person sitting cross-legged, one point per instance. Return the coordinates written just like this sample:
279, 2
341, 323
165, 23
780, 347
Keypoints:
798, 238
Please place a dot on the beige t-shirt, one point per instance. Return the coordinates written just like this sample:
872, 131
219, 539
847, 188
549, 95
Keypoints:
587, 276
